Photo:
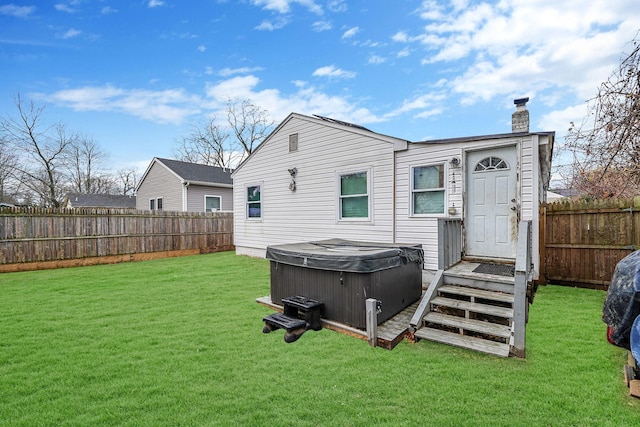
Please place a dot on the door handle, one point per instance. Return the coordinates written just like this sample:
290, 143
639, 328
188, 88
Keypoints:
513, 208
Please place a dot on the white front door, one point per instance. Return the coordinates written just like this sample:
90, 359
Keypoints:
492, 210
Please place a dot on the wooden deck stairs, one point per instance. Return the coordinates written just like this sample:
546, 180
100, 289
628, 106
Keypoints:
468, 309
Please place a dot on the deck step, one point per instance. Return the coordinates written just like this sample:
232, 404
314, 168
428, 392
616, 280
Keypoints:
480, 326
471, 343
491, 310
476, 293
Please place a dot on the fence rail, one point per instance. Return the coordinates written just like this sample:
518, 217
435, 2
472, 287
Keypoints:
584, 240
34, 235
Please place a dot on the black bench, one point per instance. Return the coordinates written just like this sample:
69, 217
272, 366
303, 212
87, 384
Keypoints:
300, 314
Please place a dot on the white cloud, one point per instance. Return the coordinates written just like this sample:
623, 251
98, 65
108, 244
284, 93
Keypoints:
165, 106
226, 72
319, 26
70, 33
108, 10
279, 23
284, 6
305, 100
428, 105
201, 48
65, 7
350, 32
17, 11
375, 59
155, 3
503, 50
337, 6
333, 72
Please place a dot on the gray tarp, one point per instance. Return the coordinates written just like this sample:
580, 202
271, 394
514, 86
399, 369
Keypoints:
622, 306
346, 255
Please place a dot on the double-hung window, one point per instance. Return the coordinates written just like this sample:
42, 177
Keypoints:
212, 203
354, 197
254, 202
155, 204
428, 190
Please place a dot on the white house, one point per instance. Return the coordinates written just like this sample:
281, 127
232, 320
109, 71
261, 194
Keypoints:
315, 178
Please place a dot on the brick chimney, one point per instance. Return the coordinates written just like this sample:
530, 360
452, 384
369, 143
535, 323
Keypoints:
520, 119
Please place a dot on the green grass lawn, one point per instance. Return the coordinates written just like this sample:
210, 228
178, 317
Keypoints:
179, 342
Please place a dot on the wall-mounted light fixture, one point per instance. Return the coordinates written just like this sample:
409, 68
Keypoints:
454, 162
293, 172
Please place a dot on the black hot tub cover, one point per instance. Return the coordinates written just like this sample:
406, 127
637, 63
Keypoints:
346, 255
622, 306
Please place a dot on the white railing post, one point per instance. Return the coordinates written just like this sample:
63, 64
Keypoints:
371, 306
521, 280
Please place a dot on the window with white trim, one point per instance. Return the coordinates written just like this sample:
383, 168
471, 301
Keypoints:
254, 202
159, 203
155, 204
212, 203
428, 189
354, 200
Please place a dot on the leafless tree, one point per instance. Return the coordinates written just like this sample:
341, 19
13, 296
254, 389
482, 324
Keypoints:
207, 144
84, 167
226, 144
8, 162
249, 123
127, 180
606, 146
40, 149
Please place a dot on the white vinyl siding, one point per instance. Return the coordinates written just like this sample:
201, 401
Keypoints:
310, 212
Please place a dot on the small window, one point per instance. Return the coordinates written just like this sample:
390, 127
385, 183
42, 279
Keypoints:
152, 204
159, 203
490, 163
254, 202
354, 196
428, 190
293, 142
212, 203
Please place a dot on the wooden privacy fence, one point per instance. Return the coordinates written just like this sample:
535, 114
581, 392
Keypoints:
35, 238
582, 241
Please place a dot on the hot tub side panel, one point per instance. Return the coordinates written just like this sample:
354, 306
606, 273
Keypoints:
344, 294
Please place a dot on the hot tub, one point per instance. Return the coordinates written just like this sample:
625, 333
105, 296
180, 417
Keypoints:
343, 274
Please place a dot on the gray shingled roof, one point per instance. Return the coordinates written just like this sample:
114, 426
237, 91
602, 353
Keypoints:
80, 200
197, 172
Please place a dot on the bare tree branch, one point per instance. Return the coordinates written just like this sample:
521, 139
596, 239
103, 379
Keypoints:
606, 146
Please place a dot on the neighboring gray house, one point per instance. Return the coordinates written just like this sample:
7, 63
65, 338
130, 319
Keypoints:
81, 200
172, 185
315, 178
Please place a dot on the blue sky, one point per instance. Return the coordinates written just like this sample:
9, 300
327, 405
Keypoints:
135, 75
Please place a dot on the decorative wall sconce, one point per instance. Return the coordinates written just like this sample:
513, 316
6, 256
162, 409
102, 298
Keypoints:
293, 172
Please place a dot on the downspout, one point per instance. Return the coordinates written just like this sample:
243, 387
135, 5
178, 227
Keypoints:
393, 200
185, 189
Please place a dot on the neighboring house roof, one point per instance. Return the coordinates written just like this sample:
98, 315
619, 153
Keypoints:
80, 200
567, 192
194, 173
